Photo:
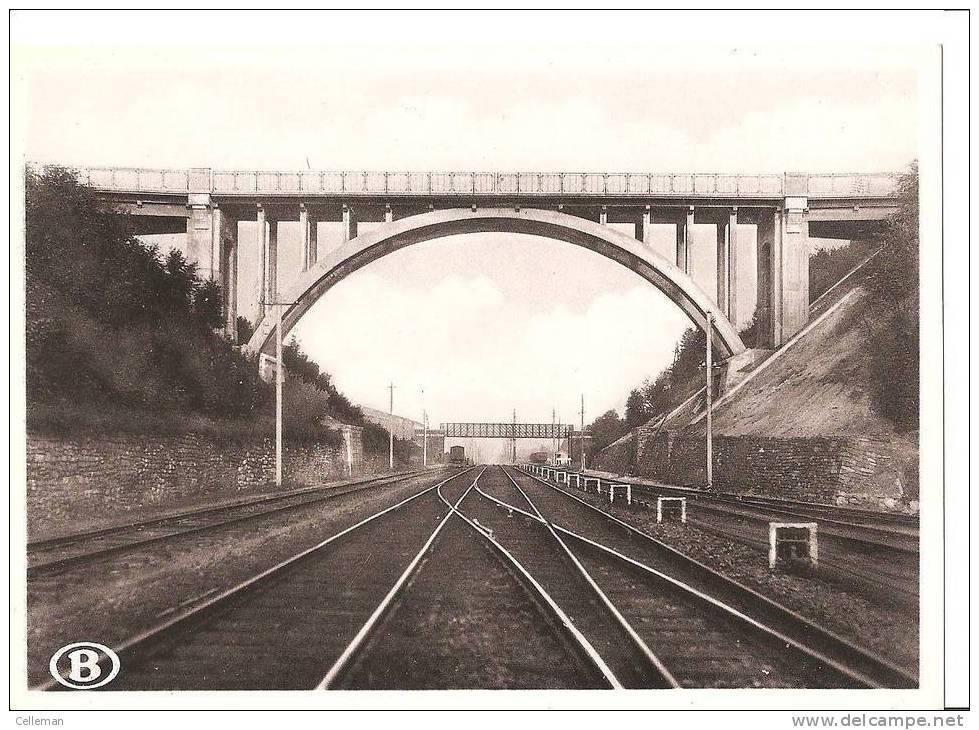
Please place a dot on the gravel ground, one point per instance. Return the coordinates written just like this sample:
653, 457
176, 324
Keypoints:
891, 633
112, 599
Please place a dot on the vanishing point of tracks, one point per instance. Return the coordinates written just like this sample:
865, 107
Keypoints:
481, 581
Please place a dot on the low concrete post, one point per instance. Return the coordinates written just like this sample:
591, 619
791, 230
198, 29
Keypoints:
620, 487
670, 504
596, 480
792, 543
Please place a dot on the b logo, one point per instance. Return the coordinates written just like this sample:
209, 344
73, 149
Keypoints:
83, 665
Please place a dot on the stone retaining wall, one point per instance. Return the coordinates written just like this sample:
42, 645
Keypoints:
854, 471
75, 483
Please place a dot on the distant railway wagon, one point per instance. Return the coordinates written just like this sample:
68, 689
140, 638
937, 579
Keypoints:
457, 456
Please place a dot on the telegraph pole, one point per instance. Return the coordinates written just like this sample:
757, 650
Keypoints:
582, 431
553, 435
278, 393
391, 429
513, 439
710, 402
424, 432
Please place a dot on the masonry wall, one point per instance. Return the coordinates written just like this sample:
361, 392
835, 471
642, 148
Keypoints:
75, 483
856, 471
618, 458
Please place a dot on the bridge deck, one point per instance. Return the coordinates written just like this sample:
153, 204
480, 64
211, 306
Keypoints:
570, 185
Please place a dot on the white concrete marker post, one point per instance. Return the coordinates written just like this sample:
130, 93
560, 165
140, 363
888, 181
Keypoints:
613, 487
682, 501
791, 533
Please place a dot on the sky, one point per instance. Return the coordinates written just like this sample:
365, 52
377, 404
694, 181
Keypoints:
473, 327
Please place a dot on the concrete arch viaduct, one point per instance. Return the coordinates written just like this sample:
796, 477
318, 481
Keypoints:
574, 207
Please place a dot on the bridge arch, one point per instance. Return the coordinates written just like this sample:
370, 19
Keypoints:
395, 235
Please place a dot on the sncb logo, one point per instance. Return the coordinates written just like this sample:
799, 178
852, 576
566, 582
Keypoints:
84, 665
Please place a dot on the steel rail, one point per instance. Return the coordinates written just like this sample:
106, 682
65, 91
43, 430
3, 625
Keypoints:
885, 539
720, 606
357, 642
660, 668
58, 540
584, 645
896, 676
58, 564
132, 643
906, 598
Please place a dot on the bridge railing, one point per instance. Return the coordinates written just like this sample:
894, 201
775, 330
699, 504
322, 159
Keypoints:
544, 184
852, 185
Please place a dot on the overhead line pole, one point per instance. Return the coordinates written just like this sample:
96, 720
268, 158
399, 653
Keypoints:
278, 393
391, 429
710, 402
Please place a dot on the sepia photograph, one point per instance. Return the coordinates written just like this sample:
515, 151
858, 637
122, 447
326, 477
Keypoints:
361, 353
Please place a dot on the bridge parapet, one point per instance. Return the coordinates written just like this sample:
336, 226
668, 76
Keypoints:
491, 184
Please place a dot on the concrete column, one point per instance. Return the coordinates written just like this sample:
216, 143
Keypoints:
603, 215
262, 236
388, 214
227, 254
200, 234
216, 260
684, 237
732, 268
723, 257
273, 280
645, 232
307, 230
314, 242
349, 224
768, 227
794, 266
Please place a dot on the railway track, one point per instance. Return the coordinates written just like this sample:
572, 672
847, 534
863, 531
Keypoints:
877, 561
882, 539
367, 660
49, 556
306, 622
630, 659
568, 513
259, 633
888, 528
889, 578
701, 641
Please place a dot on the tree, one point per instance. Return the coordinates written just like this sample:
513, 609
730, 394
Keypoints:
604, 430
636, 412
893, 285
110, 322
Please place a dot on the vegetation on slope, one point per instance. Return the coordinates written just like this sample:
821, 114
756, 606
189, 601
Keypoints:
120, 339
891, 322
